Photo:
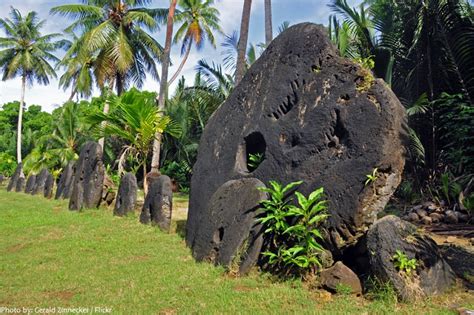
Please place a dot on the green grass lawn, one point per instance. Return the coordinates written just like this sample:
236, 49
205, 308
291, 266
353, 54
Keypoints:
52, 257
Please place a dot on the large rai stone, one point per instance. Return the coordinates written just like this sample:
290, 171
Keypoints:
30, 184
312, 116
49, 186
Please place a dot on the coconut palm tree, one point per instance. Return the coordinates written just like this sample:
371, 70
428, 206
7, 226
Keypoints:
200, 19
155, 160
242, 45
27, 54
79, 70
268, 22
115, 34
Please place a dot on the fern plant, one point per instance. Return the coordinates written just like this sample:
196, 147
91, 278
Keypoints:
254, 161
293, 230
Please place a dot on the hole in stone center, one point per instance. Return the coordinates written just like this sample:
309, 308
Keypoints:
255, 147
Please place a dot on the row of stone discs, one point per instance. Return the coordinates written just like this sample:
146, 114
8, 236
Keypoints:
42, 183
312, 116
65, 182
17, 180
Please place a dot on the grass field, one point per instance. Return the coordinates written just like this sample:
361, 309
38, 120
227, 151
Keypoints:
51, 257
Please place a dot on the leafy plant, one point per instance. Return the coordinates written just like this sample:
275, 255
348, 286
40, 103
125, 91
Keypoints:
7, 164
403, 263
292, 230
255, 160
371, 178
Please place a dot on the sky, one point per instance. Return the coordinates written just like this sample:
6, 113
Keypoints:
51, 96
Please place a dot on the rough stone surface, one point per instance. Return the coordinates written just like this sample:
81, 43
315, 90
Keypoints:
48, 186
158, 205
40, 182
127, 195
389, 234
232, 238
88, 178
451, 217
315, 117
12, 184
108, 191
20, 184
2, 178
30, 184
340, 274
65, 181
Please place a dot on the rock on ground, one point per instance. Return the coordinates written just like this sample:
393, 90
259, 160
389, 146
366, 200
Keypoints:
88, 178
340, 275
389, 234
127, 195
20, 184
2, 178
49, 186
313, 116
30, 184
232, 237
65, 181
12, 184
40, 182
158, 205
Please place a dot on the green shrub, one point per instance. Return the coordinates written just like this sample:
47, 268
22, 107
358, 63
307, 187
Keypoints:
403, 263
180, 172
7, 164
291, 231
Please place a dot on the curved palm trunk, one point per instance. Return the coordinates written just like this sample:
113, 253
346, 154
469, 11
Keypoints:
20, 119
186, 55
242, 45
155, 160
104, 123
268, 22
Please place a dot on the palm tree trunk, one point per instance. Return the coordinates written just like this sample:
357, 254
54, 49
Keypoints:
104, 123
242, 45
155, 160
20, 119
268, 22
186, 55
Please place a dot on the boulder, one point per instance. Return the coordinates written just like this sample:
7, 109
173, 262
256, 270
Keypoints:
108, 191
309, 115
2, 178
20, 184
127, 195
49, 186
12, 184
88, 178
451, 217
232, 237
40, 182
158, 205
340, 275
30, 184
432, 274
65, 181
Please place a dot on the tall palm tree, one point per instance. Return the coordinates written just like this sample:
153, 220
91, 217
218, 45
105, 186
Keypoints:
115, 34
268, 22
199, 20
79, 71
27, 55
155, 160
242, 45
